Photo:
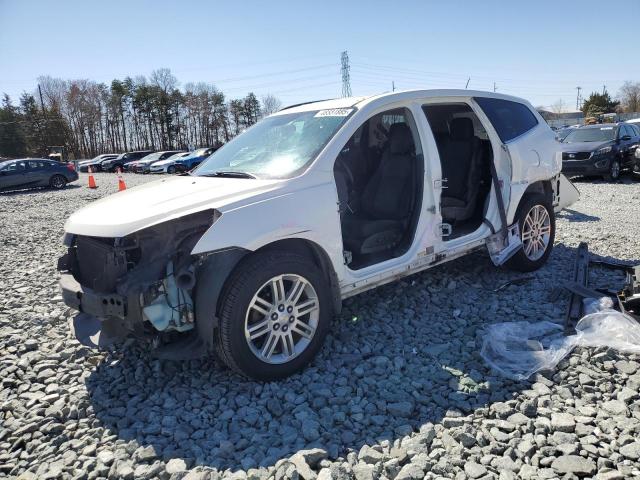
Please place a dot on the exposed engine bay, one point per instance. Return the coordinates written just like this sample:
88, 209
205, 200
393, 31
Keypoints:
141, 284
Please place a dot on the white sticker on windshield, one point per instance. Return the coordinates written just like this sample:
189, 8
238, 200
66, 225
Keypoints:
334, 112
606, 128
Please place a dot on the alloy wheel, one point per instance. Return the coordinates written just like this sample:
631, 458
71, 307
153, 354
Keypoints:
57, 181
536, 232
282, 318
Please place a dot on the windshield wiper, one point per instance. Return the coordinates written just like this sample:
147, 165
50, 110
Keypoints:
229, 173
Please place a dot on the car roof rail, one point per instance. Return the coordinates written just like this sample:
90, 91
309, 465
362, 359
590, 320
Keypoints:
304, 103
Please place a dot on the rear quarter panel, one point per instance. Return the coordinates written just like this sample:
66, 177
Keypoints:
535, 156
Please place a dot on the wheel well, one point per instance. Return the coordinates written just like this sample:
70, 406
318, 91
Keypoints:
216, 268
315, 252
542, 186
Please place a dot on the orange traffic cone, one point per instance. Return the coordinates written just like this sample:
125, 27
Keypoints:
92, 181
121, 184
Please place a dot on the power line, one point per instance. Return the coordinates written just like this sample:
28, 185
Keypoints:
346, 84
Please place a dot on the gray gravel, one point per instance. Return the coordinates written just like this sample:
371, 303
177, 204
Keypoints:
398, 392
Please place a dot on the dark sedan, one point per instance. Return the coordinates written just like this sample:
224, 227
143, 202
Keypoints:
35, 172
600, 150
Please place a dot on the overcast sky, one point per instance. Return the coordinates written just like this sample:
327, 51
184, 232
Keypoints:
540, 50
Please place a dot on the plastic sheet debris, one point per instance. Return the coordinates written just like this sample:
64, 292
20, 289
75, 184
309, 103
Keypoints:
517, 350
593, 305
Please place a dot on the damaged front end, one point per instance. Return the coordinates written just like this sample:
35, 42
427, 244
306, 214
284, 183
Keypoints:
141, 284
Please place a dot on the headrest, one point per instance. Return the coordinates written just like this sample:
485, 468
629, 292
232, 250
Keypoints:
461, 129
400, 138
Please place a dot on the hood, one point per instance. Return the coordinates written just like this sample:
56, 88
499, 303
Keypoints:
166, 161
134, 209
584, 146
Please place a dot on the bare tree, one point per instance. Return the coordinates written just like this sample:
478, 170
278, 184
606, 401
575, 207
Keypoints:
629, 96
164, 79
558, 107
270, 104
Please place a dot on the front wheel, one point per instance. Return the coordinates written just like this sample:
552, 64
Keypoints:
537, 224
274, 315
614, 171
171, 169
57, 182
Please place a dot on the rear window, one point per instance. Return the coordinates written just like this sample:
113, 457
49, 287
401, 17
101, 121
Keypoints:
510, 119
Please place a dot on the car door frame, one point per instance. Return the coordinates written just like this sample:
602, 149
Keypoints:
354, 281
39, 173
459, 245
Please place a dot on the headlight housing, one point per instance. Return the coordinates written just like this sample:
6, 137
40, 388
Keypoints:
602, 151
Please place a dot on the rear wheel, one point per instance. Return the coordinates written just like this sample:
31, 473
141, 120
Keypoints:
537, 223
171, 169
57, 182
274, 315
614, 171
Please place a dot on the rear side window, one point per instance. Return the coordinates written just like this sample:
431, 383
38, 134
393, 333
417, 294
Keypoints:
510, 119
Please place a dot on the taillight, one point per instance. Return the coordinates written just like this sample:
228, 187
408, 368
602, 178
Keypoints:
71, 167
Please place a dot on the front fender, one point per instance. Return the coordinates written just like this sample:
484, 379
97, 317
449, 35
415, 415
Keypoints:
310, 213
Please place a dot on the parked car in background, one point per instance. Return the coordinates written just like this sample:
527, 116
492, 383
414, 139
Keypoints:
192, 160
603, 150
35, 172
123, 159
143, 165
96, 162
251, 255
168, 164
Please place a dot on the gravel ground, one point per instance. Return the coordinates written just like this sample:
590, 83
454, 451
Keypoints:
399, 390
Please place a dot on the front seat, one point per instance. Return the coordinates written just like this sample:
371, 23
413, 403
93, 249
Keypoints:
387, 198
460, 156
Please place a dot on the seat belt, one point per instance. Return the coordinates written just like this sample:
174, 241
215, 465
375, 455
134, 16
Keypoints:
498, 190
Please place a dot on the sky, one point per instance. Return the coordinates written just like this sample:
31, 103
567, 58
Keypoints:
539, 50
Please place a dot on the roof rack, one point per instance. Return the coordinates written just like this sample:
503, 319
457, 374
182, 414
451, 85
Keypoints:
305, 103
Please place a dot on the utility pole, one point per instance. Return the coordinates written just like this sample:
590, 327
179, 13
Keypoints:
494, 86
578, 98
393, 86
467, 85
346, 83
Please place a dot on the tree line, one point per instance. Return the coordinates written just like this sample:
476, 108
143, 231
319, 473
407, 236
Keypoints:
627, 101
90, 118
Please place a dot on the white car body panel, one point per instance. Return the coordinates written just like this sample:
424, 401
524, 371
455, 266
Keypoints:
255, 213
136, 208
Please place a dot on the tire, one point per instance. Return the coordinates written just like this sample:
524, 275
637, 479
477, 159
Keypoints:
171, 169
276, 327
57, 182
528, 259
614, 171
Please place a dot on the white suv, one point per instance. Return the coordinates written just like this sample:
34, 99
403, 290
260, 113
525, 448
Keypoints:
250, 255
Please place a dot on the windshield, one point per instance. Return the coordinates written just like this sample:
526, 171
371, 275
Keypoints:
151, 157
198, 153
602, 134
278, 146
176, 156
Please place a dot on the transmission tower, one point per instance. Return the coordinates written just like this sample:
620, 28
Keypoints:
578, 98
346, 85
